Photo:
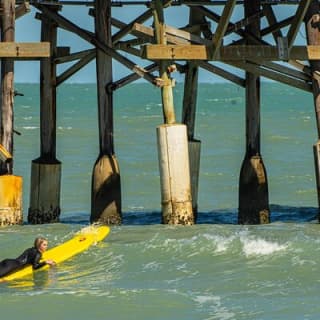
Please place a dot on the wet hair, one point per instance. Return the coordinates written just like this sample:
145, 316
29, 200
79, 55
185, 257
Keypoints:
38, 241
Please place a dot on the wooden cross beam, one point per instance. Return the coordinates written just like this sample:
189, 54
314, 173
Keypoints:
22, 9
298, 18
222, 27
90, 37
25, 50
127, 27
267, 73
230, 53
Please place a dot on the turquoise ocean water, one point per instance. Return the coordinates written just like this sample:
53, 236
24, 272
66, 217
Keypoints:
145, 270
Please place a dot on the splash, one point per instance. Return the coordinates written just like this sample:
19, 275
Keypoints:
252, 247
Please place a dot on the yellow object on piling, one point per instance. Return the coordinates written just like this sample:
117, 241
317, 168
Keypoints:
10, 200
5, 155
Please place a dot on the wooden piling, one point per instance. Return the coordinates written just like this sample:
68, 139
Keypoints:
44, 205
172, 144
45, 184
312, 25
194, 147
188, 118
10, 185
189, 106
7, 83
106, 186
174, 174
106, 195
253, 184
199, 45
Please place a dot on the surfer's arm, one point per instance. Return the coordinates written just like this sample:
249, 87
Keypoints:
37, 265
50, 262
43, 263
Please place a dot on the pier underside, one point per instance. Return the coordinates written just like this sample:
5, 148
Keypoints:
238, 41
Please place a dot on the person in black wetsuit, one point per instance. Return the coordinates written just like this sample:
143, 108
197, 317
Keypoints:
30, 256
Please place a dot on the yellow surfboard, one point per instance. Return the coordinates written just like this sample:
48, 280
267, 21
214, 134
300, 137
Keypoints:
79, 243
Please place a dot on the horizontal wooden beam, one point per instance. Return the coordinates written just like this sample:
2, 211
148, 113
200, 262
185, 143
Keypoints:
25, 50
230, 53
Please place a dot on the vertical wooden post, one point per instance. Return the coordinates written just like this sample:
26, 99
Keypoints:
253, 185
312, 24
10, 185
176, 196
106, 186
7, 85
189, 116
46, 170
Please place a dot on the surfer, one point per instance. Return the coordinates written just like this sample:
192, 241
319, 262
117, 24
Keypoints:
30, 256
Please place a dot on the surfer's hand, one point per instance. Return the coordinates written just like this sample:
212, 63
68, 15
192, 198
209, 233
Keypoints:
50, 262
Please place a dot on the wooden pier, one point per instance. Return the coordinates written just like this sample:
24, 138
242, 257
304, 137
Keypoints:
258, 37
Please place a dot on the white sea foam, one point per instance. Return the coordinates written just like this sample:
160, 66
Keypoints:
221, 243
253, 247
64, 128
214, 307
30, 128
153, 266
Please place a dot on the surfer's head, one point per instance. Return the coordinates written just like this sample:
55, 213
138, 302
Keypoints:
41, 244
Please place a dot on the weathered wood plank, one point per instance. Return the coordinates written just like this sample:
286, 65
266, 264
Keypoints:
24, 50
22, 9
230, 53
175, 52
145, 31
184, 36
